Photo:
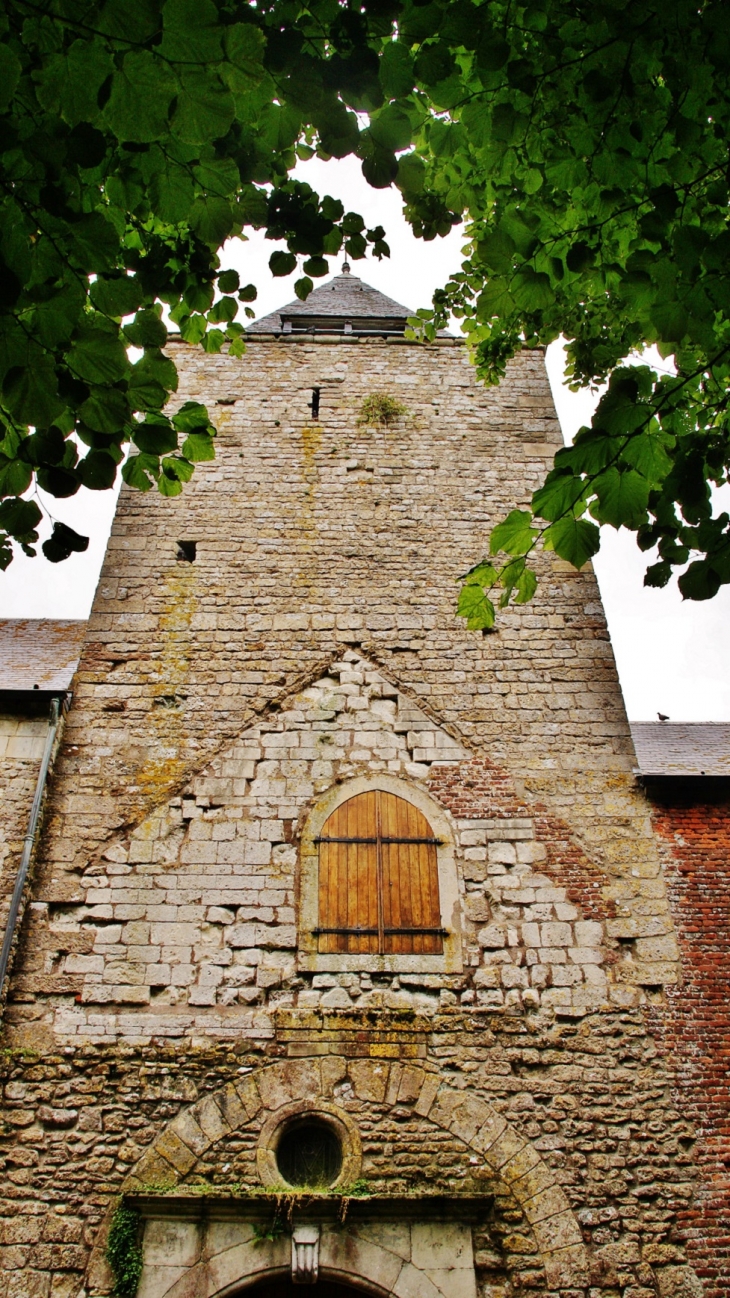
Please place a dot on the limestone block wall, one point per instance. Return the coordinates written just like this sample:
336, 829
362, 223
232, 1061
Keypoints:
314, 538
197, 906
312, 646
578, 1155
22, 740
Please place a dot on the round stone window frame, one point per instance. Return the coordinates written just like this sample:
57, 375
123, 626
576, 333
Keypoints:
281, 1121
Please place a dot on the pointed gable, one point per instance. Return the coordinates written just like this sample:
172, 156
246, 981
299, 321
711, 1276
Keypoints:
345, 304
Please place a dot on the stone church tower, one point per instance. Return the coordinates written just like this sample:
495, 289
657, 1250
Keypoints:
348, 951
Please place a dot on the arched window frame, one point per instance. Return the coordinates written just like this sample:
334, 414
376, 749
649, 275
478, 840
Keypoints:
450, 959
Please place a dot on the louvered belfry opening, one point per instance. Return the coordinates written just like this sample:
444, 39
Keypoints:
378, 879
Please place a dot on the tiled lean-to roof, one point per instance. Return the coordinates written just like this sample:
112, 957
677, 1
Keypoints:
39, 653
682, 747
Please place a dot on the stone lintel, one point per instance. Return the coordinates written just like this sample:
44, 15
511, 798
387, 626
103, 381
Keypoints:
193, 1206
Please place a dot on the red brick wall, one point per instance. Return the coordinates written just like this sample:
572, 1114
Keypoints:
480, 788
695, 838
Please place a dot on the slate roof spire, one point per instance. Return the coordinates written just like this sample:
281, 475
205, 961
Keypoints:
345, 304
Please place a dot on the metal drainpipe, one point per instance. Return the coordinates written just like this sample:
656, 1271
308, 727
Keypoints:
54, 722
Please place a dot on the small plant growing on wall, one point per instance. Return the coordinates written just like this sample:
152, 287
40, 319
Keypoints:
381, 410
123, 1251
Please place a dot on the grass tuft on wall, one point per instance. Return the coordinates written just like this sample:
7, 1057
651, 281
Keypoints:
380, 409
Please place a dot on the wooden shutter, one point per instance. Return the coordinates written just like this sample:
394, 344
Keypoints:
348, 877
378, 879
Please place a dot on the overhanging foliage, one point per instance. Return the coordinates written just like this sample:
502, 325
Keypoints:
585, 145
135, 139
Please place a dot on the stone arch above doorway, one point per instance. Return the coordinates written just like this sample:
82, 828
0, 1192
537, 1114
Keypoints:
493, 1140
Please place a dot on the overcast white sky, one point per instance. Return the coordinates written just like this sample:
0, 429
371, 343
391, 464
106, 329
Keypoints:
671, 654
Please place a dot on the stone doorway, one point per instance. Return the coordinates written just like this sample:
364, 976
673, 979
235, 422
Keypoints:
283, 1287
228, 1249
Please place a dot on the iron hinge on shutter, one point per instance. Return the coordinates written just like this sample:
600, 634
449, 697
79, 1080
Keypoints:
389, 932
325, 838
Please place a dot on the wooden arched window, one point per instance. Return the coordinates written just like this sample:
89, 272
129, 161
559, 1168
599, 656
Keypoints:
378, 879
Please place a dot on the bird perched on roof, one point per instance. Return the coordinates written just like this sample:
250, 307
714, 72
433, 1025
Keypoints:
662, 716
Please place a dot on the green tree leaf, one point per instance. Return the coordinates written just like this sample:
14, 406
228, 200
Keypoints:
303, 288
561, 494
97, 471
30, 391
106, 410
699, 582
205, 108
244, 47
526, 586
141, 471
532, 291
98, 356
95, 243
621, 498
515, 535
142, 91
171, 189
225, 309
228, 281
176, 466
411, 176
63, 542
317, 266
380, 169
282, 263
192, 328
191, 32
117, 296
15, 477
20, 518
147, 330
9, 75
197, 447
573, 539
212, 220
192, 417
155, 439
477, 608
396, 70
391, 128
649, 453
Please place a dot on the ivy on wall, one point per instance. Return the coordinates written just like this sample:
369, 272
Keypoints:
123, 1250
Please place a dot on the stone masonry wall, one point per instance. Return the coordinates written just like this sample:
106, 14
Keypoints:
196, 906
317, 537
313, 641
22, 741
587, 1103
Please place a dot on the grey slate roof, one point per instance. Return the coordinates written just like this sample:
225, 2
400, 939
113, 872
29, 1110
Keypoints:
682, 747
41, 653
345, 298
